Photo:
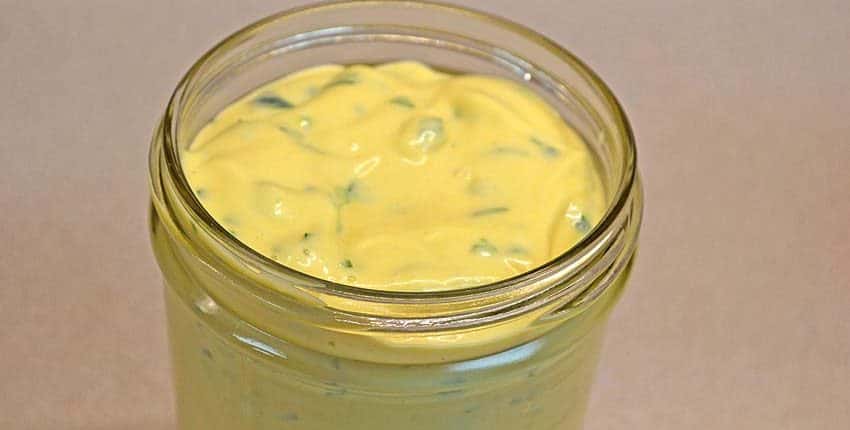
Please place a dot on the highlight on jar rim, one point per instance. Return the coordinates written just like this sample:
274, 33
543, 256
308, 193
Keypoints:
388, 214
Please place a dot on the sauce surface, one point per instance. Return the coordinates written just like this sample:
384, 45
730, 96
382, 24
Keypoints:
397, 177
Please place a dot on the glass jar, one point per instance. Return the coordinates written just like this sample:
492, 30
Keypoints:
256, 345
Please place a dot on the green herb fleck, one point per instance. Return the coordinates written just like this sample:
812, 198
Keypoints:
422, 135
448, 393
289, 416
457, 112
403, 101
455, 380
517, 250
201, 193
340, 197
273, 101
347, 264
490, 211
582, 224
484, 248
306, 251
431, 133
507, 150
345, 78
307, 235
344, 195
298, 139
335, 390
478, 187
295, 134
546, 149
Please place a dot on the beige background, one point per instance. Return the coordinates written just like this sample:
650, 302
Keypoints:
737, 315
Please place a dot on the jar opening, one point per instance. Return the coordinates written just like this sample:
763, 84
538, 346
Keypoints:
243, 60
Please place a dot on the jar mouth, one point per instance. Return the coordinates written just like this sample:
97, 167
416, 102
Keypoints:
552, 273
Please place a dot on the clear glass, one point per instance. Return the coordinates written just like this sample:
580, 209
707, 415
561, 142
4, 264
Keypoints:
256, 345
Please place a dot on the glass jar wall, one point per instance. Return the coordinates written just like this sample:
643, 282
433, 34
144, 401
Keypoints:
256, 345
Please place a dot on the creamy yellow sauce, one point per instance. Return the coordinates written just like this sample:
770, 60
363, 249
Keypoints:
397, 177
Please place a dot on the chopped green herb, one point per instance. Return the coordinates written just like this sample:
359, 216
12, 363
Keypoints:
448, 393
422, 136
479, 187
273, 101
431, 133
338, 219
340, 197
517, 250
347, 264
307, 235
345, 78
582, 224
295, 134
306, 252
547, 150
507, 150
335, 391
455, 380
484, 248
403, 101
344, 195
289, 416
490, 211
298, 139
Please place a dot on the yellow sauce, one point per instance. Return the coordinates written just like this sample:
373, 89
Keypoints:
397, 177
394, 177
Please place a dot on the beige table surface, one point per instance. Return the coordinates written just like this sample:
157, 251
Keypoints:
737, 315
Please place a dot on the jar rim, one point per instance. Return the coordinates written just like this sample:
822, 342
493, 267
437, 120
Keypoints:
569, 258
